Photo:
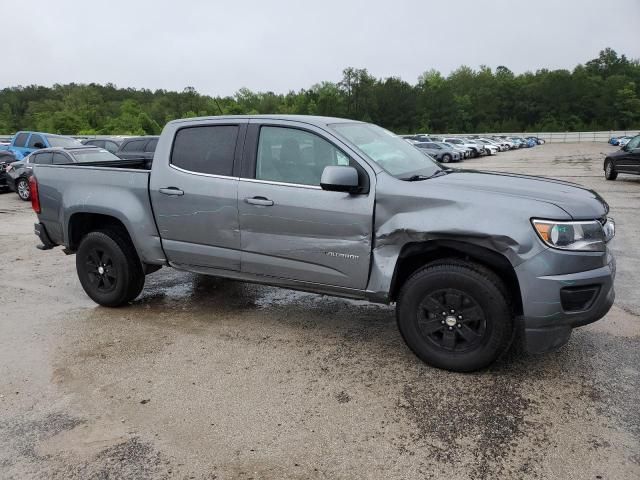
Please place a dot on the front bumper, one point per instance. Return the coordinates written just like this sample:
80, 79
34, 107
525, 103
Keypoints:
547, 322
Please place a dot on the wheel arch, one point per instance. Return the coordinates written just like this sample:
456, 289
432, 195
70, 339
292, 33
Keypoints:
415, 255
81, 223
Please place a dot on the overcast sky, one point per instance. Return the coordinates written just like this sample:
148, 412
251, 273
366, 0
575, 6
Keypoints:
219, 46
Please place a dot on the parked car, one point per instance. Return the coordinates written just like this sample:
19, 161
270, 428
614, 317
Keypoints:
479, 145
538, 141
6, 158
138, 147
622, 141
489, 148
24, 143
501, 146
508, 141
464, 152
439, 151
625, 160
18, 172
518, 141
110, 144
343, 208
475, 149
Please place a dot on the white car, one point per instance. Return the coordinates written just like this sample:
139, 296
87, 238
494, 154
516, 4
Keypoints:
489, 147
476, 150
499, 146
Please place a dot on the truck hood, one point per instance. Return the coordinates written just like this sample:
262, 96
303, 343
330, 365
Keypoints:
579, 202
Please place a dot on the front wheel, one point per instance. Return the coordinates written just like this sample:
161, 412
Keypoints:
455, 315
610, 171
446, 158
108, 268
22, 188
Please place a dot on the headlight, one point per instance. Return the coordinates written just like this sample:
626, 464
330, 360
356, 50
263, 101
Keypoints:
578, 236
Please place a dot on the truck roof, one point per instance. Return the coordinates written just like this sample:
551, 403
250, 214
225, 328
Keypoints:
310, 119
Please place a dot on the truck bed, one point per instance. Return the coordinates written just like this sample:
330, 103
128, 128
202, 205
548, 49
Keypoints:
118, 188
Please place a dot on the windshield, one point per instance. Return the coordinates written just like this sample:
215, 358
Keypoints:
93, 155
392, 153
55, 141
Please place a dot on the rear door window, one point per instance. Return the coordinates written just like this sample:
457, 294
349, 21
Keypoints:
206, 149
42, 158
21, 140
134, 146
60, 159
151, 146
111, 146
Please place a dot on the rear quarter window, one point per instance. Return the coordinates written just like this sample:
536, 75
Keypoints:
206, 149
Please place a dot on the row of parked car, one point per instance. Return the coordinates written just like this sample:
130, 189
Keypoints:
28, 148
447, 149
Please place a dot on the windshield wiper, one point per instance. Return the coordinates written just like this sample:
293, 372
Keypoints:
417, 178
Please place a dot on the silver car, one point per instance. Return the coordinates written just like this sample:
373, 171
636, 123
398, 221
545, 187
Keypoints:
439, 151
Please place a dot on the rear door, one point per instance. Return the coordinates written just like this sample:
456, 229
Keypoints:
290, 227
194, 193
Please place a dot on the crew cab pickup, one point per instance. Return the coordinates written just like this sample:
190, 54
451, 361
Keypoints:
471, 259
24, 143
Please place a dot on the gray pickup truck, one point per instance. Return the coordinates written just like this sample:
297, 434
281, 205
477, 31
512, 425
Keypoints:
338, 207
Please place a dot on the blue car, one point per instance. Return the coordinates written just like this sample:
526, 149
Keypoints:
24, 143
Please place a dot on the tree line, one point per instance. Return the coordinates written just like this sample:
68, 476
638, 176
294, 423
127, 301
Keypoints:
602, 94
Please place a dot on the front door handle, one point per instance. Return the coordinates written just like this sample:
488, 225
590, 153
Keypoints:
174, 191
262, 201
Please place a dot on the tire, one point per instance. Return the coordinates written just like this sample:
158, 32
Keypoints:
475, 153
22, 189
610, 171
455, 315
108, 268
446, 158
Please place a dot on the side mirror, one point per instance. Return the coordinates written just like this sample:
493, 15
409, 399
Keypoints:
38, 145
340, 179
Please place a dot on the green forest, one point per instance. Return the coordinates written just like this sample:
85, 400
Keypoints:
602, 94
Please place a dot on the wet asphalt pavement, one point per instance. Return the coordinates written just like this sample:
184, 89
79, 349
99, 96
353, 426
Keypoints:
205, 378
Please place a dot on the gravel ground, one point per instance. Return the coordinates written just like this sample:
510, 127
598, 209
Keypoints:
203, 378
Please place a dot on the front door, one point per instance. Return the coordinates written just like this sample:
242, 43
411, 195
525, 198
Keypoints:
290, 227
630, 161
194, 191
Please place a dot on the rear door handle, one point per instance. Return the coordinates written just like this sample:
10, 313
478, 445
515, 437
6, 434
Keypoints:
174, 191
262, 201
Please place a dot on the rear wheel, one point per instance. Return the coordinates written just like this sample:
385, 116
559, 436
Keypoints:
22, 188
455, 315
610, 171
108, 268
